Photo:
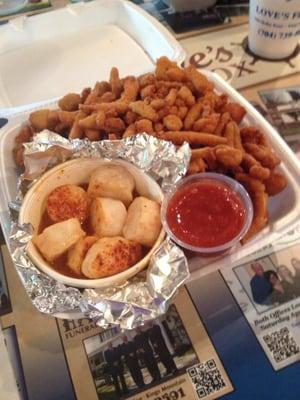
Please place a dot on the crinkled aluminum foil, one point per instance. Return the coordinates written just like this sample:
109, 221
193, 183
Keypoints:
143, 297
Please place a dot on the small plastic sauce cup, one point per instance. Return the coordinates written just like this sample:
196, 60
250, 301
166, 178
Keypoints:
207, 213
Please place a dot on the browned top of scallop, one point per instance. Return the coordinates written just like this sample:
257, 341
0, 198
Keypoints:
110, 256
67, 201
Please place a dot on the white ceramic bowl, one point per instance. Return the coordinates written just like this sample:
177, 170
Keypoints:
78, 172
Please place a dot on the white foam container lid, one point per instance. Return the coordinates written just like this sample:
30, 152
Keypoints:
284, 211
47, 55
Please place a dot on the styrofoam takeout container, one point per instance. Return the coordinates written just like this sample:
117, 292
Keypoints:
47, 55
283, 210
78, 172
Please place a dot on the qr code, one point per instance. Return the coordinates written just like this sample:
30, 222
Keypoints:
206, 378
281, 344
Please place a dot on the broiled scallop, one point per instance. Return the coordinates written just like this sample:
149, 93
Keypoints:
58, 238
110, 256
107, 217
143, 221
67, 201
112, 181
77, 253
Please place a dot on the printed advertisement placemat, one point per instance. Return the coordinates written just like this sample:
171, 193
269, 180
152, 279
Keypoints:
224, 52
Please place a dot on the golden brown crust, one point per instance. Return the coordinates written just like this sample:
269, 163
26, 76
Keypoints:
67, 201
110, 256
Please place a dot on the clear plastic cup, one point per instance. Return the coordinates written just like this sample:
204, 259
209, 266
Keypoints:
225, 181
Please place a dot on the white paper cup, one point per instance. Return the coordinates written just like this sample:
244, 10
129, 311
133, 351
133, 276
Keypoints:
77, 172
274, 28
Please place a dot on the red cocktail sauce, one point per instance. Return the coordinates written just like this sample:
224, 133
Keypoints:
206, 214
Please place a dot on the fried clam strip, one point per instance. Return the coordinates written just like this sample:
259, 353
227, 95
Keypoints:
76, 131
199, 81
259, 197
69, 102
263, 154
228, 156
275, 183
115, 82
93, 96
172, 122
196, 166
93, 121
193, 138
114, 124
39, 120
162, 65
207, 155
232, 133
260, 217
171, 97
120, 106
204, 152
146, 79
131, 89
176, 74
130, 131
144, 125
236, 111
223, 121
192, 115
130, 117
144, 110
207, 124
187, 96
251, 134
254, 168
92, 134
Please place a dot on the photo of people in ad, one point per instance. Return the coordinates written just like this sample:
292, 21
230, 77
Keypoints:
133, 361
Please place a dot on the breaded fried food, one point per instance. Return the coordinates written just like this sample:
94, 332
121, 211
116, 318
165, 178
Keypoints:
275, 183
70, 102
196, 166
236, 111
110, 256
172, 122
144, 125
112, 181
58, 238
199, 81
67, 201
260, 217
228, 156
39, 120
77, 253
144, 110
194, 138
143, 221
107, 216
